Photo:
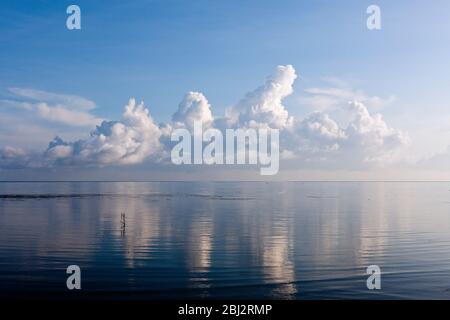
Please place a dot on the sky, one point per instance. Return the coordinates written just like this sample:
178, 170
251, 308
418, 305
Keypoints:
365, 104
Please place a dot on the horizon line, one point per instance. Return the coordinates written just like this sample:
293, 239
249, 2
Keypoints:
230, 181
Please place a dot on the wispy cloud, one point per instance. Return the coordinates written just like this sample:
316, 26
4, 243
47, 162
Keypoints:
30, 118
336, 93
65, 100
69, 110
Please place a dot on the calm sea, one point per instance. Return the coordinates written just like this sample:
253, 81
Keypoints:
289, 240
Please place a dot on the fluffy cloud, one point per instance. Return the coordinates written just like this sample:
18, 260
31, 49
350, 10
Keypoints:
263, 106
364, 138
367, 138
310, 138
11, 157
194, 107
129, 141
319, 126
371, 135
372, 130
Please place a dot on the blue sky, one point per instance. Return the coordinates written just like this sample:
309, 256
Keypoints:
159, 50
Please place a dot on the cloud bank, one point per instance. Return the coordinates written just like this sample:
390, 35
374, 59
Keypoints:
364, 139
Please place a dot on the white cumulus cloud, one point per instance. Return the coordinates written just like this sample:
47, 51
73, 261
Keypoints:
128, 141
372, 135
365, 139
263, 106
318, 137
194, 107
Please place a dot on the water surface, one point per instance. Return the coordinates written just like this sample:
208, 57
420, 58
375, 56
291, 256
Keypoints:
289, 240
